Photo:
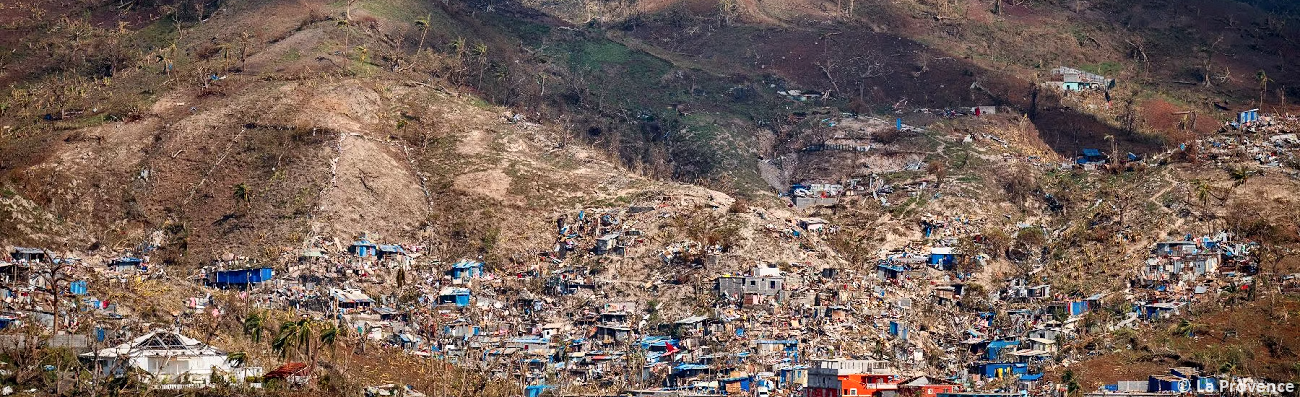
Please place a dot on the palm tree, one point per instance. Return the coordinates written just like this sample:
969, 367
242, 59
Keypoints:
298, 335
423, 25
1202, 192
293, 335
237, 359
1239, 176
242, 193
362, 54
1071, 383
343, 24
458, 46
328, 335
1186, 327
1228, 367
253, 326
480, 52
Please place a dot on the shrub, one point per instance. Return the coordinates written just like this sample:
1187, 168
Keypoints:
1019, 185
886, 136
740, 206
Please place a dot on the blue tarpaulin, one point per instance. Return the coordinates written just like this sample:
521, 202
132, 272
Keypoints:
241, 276
363, 248
898, 330
466, 268
1077, 308
535, 390
995, 348
77, 287
1248, 116
997, 370
661, 342
458, 296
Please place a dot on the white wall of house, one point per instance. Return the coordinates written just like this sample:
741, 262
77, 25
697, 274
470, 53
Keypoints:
174, 369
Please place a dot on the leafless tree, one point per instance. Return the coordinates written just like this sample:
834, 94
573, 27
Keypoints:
1206, 65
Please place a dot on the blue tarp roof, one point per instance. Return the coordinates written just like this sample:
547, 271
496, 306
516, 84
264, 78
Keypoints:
1030, 377
466, 264
1091, 152
363, 242
897, 268
688, 367
657, 341
998, 344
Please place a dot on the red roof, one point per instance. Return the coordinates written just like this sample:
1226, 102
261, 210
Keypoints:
287, 370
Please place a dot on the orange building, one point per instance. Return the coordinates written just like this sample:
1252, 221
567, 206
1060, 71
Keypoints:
867, 384
840, 378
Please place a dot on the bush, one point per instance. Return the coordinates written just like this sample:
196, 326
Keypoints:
1019, 185
886, 136
1031, 237
996, 241
740, 206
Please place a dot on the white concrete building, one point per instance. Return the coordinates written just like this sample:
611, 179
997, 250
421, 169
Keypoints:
169, 360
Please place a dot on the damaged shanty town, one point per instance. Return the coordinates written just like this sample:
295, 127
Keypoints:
691, 292
918, 322
649, 198
678, 293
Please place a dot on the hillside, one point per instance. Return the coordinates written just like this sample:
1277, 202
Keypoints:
283, 143
202, 135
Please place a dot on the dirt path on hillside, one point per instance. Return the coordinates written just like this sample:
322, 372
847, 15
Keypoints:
1152, 199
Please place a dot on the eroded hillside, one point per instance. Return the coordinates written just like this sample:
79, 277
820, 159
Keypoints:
504, 133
